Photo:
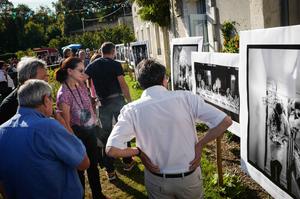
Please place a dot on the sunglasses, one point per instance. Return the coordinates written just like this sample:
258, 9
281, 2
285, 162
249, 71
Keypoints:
80, 70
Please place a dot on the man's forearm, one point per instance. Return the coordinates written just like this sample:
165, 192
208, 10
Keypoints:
217, 131
126, 93
121, 153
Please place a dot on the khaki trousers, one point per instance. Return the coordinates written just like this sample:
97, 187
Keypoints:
189, 187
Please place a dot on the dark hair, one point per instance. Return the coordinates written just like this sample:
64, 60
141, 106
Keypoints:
2, 63
107, 48
66, 51
62, 73
150, 73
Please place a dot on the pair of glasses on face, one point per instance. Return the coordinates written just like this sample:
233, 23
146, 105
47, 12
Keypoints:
79, 70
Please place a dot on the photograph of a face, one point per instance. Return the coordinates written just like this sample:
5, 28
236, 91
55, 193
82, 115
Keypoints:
182, 66
273, 86
218, 85
139, 52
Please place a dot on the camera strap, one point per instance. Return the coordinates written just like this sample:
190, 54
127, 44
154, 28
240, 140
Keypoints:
75, 96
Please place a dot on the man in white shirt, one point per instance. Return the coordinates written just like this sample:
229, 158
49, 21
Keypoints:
163, 123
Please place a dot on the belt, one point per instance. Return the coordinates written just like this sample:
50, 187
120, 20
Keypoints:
111, 96
173, 175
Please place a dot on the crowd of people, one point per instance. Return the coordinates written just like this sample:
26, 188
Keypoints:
46, 152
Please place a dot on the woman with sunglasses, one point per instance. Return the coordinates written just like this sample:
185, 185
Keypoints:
74, 102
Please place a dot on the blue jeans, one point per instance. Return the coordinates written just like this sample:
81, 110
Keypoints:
109, 109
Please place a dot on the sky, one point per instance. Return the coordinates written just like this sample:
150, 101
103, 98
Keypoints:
34, 4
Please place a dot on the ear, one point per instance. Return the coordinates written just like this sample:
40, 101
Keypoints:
69, 71
46, 100
165, 82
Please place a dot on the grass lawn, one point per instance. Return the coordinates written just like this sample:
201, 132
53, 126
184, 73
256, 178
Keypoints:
134, 89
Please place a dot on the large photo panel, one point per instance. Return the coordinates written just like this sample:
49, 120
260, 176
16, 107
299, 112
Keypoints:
269, 93
274, 113
120, 53
181, 64
216, 81
139, 51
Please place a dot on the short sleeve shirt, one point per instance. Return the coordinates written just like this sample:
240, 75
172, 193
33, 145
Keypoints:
39, 158
164, 119
77, 101
104, 73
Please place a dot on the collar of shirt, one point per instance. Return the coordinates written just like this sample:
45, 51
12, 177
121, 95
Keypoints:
154, 91
30, 111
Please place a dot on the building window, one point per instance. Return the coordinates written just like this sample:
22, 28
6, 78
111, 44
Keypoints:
198, 24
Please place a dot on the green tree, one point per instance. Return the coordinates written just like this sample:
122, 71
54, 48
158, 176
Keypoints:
6, 27
231, 37
29, 52
34, 35
156, 11
72, 11
88, 40
23, 15
59, 42
117, 34
53, 31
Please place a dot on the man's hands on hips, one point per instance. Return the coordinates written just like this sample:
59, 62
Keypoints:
198, 152
147, 162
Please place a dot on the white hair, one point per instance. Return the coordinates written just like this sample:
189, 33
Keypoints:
32, 93
27, 68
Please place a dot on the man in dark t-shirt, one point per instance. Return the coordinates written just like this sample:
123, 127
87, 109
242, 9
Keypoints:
111, 88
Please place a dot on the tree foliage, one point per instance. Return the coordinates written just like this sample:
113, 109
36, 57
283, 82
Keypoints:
34, 34
231, 37
22, 28
156, 11
118, 34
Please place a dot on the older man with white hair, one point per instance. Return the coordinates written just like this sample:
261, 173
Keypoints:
39, 156
28, 68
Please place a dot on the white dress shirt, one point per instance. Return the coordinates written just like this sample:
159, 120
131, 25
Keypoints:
3, 78
163, 123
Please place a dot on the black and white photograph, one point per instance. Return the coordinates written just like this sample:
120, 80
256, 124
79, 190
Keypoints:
139, 52
216, 80
120, 53
273, 86
181, 64
218, 85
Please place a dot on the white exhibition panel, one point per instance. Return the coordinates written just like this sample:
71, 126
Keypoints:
220, 59
184, 42
139, 44
119, 54
261, 48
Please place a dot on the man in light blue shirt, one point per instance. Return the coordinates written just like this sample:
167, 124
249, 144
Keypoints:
39, 157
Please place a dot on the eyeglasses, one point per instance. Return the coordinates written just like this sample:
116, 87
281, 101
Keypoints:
79, 70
